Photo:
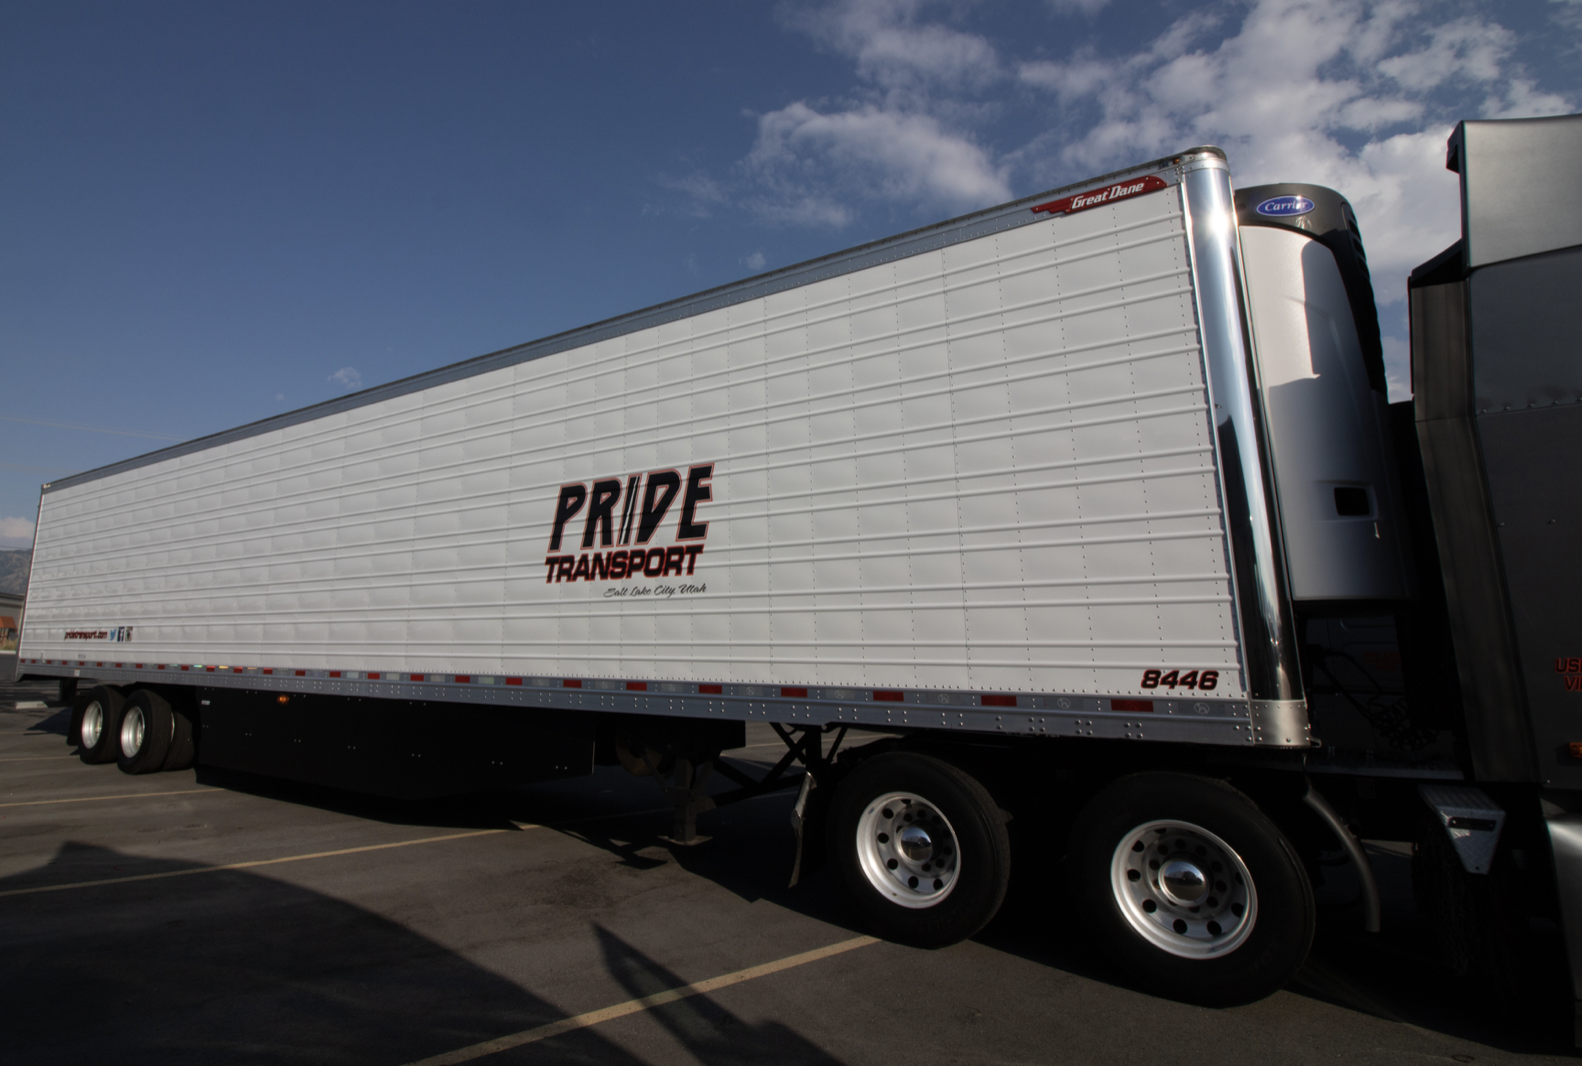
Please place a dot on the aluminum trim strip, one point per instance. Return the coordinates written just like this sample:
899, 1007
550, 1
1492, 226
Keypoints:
1565, 840
1196, 721
1263, 598
1282, 719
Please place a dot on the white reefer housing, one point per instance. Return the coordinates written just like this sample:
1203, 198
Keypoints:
1328, 422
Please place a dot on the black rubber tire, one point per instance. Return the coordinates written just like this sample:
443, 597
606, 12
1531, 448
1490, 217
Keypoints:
183, 738
1283, 929
79, 703
158, 727
108, 744
985, 850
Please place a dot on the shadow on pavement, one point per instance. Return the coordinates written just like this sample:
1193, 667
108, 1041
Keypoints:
478, 811
747, 849
55, 723
1394, 975
709, 1031
229, 966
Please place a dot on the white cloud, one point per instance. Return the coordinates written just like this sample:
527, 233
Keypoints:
905, 134
348, 377
1397, 367
1070, 80
869, 151
1359, 95
21, 528
1522, 99
702, 193
1370, 113
897, 51
1568, 13
1466, 47
1335, 92
754, 262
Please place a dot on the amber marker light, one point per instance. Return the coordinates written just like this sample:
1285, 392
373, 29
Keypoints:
1576, 749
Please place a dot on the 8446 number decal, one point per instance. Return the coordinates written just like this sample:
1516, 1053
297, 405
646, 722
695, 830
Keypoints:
1202, 680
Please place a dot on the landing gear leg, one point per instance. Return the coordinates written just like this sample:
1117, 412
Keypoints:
682, 769
685, 793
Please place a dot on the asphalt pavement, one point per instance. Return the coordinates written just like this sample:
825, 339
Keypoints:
206, 917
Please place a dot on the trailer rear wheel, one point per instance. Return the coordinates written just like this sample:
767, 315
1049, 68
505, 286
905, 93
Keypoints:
146, 729
99, 726
79, 703
921, 848
183, 739
1191, 888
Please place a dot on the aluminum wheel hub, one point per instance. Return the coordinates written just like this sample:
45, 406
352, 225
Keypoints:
92, 724
908, 850
1184, 889
132, 732
1182, 883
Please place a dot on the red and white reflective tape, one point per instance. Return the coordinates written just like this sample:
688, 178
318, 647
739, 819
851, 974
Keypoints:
668, 688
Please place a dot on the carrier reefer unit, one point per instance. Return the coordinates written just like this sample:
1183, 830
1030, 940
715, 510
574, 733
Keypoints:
1052, 503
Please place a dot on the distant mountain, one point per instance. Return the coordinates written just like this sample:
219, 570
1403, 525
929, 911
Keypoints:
13, 571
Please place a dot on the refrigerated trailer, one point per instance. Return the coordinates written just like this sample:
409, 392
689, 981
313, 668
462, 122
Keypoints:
1079, 513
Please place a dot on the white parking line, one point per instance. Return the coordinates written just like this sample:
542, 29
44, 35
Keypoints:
120, 796
254, 862
517, 826
635, 1006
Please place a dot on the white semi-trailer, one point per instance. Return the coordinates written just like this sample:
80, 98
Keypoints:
1092, 505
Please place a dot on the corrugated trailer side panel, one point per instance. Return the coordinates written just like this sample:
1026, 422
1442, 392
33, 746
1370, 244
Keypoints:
984, 466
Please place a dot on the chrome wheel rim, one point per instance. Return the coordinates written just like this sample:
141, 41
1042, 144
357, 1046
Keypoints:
92, 724
1183, 889
908, 850
132, 732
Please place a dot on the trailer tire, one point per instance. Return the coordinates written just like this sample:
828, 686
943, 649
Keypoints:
921, 849
146, 729
1187, 885
183, 739
79, 703
98, 727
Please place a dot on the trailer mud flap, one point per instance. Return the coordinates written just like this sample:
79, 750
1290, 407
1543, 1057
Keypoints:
799, 825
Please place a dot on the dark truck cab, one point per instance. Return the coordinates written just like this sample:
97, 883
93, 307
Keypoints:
1497, 381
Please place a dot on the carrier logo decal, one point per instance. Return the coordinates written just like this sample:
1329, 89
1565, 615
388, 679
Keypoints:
1284, 207
643, 502
119, 634
1107, 195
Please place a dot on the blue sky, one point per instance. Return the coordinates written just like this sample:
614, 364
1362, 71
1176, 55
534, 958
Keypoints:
211, 213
